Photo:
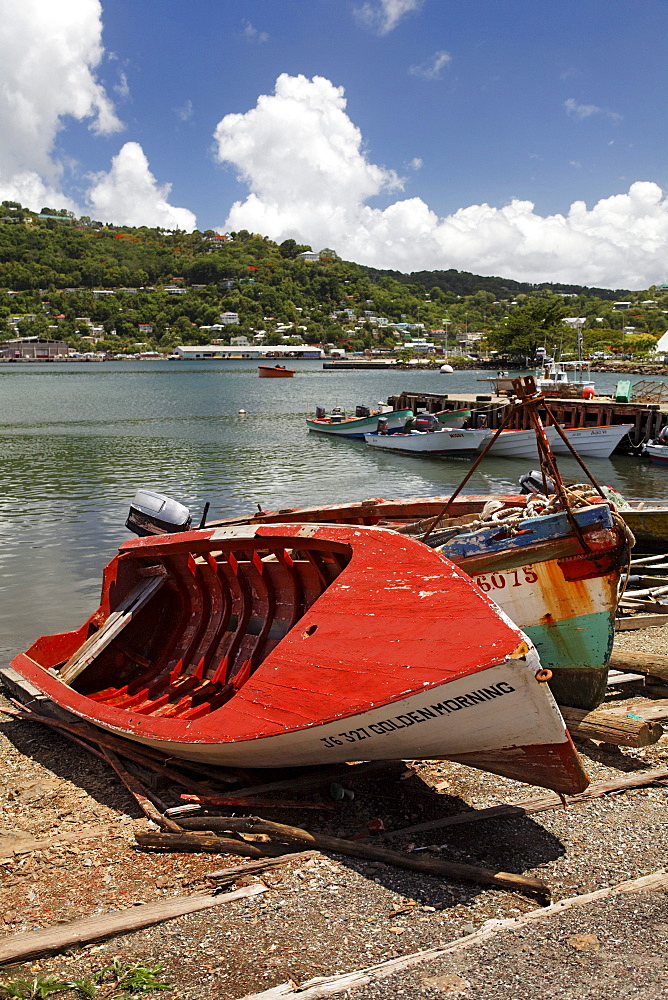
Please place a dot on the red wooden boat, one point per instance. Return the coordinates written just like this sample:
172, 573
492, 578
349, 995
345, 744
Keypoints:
273, 645
274, 371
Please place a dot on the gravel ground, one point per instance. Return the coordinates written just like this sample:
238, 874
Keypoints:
333, 914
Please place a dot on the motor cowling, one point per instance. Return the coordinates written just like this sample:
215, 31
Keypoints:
426, 422
156, 514
362, 411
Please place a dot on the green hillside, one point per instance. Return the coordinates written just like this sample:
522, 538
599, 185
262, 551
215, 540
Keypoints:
55, 271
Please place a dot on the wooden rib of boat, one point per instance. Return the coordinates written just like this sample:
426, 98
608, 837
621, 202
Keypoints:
445, 441
276, 645
562, 595
274, 371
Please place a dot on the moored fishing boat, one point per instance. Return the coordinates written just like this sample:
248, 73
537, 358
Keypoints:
591, 442
281, 645
442, 441
365, 420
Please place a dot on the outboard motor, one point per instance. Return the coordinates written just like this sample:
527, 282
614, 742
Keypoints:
155, 514
383, 426
362, 411
426, 422
532, 482
320, 413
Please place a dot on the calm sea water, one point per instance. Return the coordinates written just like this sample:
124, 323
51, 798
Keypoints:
79, 439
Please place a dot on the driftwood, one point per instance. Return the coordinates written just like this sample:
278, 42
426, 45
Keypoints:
642, 663
611, 727
60, 936
140, 794
546, 802
208, 842
428, 866
328, 986
225, 875
248, 802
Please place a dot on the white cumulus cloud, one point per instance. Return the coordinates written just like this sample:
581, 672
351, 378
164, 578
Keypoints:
128, 194
48, 56
309, 179
384, 15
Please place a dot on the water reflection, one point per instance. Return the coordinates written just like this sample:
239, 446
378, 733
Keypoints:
79, 440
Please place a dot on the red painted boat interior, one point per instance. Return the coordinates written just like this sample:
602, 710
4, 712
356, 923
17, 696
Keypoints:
295, 625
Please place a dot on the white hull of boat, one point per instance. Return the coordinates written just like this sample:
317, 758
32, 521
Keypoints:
592, 442
441, 442
502, 709
519, 444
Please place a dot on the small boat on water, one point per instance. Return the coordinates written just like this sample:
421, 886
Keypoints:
282, 645
518, 444
274, 371
656, 452
443, 441
365, 420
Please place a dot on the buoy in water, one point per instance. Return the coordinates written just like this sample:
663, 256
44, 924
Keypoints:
447, 369
242, 411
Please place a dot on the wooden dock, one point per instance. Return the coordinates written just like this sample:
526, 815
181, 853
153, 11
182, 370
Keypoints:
648, 419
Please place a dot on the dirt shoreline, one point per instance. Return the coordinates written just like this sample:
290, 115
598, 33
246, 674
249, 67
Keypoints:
332, 914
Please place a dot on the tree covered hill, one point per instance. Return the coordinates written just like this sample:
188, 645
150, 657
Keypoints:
53, 269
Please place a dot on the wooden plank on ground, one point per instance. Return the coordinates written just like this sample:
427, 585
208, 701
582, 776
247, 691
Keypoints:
328, 986
655, 664
639, 621
18, 947
31, 844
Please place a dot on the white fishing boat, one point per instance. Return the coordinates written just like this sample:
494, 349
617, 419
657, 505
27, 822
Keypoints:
591, 442
448, 441
518, 444
565, 378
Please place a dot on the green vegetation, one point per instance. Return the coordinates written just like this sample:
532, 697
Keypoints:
113, 982
55, 271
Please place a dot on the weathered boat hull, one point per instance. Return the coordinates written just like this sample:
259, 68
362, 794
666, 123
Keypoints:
357, 427
565, 602
266, 646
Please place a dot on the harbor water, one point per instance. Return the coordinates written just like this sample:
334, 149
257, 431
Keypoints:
79, 439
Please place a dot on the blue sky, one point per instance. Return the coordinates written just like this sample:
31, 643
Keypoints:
510, 137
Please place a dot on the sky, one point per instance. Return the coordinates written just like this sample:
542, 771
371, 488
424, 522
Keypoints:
517, 138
